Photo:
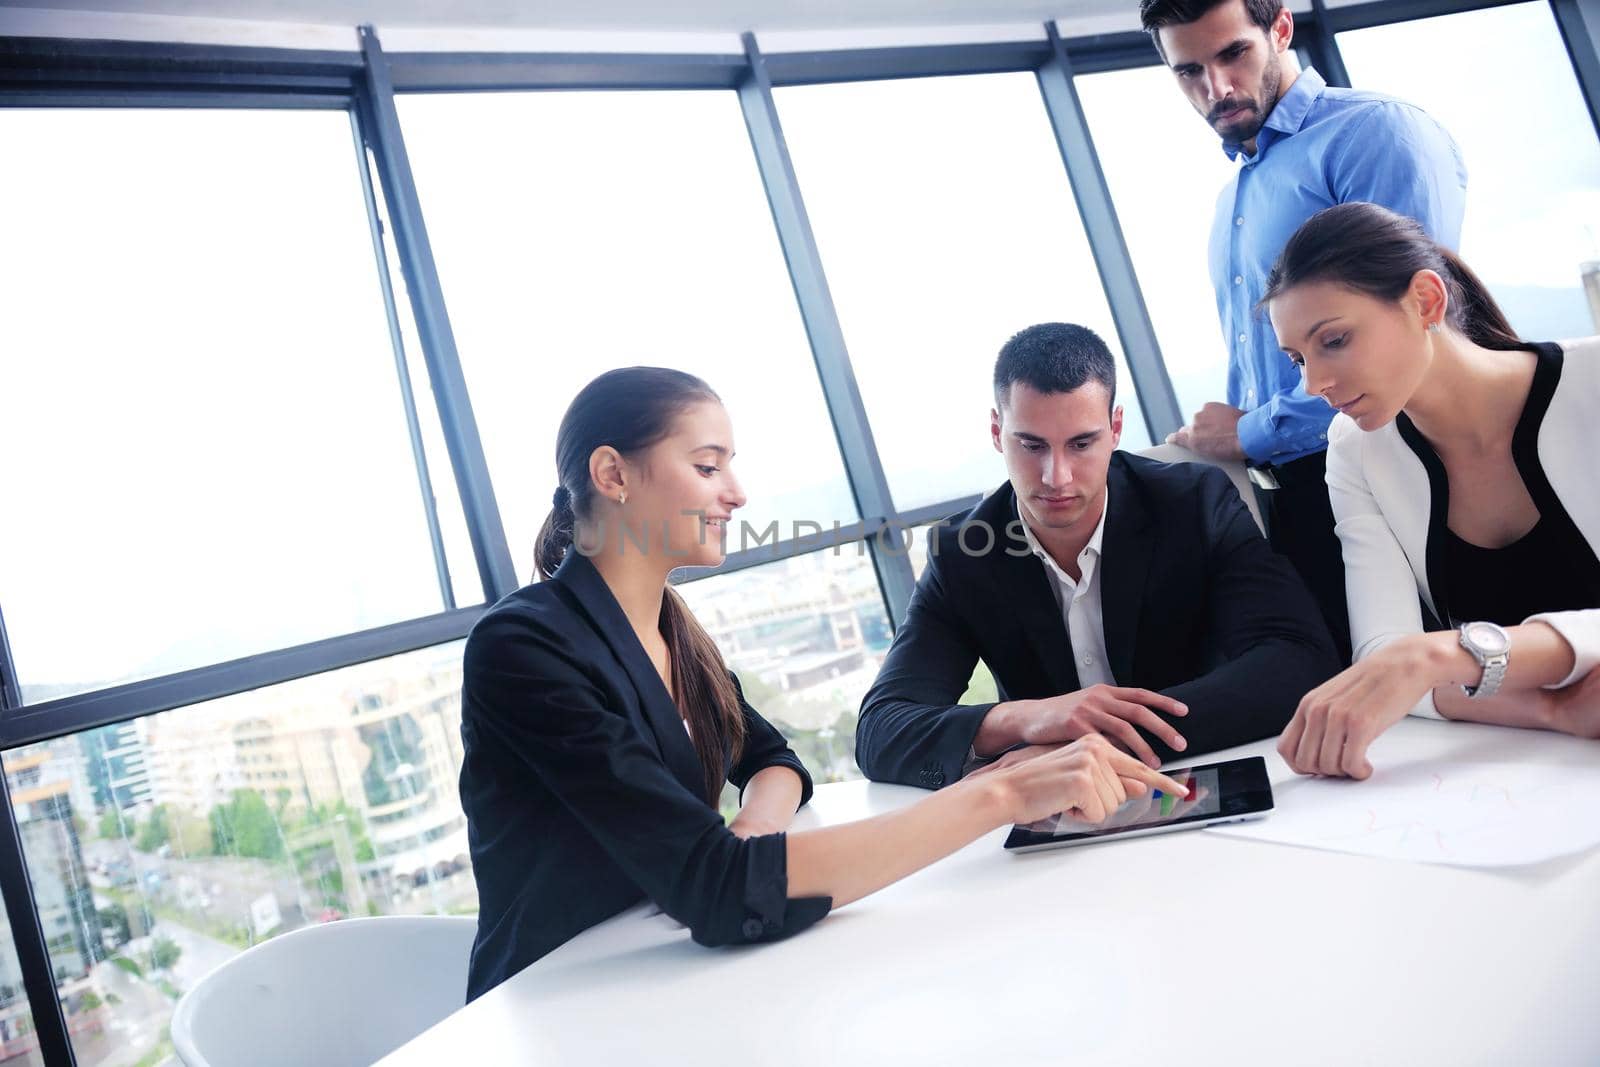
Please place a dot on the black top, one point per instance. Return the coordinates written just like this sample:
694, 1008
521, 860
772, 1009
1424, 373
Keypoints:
583, 792
1541, 571
1194, 602
1551, 568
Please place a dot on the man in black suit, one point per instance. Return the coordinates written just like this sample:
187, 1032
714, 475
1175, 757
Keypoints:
1106, 592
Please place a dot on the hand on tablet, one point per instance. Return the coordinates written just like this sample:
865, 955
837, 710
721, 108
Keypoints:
1086, 781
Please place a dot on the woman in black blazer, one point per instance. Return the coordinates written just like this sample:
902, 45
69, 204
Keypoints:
600, 724
1462, 474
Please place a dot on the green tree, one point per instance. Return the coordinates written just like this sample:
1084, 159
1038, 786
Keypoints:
114, 921
110, 824
155, 832
189, 834
322, 814
245, 826
164, 953
760, 694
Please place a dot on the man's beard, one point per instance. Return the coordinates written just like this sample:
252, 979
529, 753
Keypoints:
1271, 83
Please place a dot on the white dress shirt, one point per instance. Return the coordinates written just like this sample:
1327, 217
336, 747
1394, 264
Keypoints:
1079, 602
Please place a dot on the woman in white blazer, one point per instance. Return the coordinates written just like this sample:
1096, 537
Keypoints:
1465, 481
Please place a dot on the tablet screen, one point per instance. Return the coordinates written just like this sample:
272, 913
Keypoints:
1204, 799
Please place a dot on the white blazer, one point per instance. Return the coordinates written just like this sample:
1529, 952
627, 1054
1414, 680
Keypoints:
1382, 502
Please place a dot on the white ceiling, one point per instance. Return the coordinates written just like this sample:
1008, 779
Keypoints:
634, 15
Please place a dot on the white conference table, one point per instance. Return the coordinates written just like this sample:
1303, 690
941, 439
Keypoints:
1185, 948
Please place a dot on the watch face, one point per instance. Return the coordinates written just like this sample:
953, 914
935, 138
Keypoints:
1487, 638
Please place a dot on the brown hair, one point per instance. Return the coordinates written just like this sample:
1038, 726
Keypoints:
631, 409
1375, 251
1154, 15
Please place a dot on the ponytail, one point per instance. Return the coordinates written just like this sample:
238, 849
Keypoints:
556, 535
704, 692
1472, 310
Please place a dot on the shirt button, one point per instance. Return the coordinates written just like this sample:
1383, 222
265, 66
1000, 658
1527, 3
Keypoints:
1238, 279
1239, 221
1088, 661
1242, 338
751, 929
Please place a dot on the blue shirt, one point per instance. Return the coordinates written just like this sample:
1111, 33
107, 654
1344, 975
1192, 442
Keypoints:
1320, 146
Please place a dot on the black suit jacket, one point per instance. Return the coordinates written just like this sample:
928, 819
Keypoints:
583, 792
1195, 604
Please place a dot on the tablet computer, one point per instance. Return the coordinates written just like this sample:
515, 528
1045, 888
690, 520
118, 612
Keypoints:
1218, 792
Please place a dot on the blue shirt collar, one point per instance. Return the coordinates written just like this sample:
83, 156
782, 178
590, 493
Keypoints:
1286, 118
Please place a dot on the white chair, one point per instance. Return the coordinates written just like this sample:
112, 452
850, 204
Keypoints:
1233, 468
342, 994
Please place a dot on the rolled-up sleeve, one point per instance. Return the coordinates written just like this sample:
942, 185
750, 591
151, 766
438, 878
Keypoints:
1290, 422
1581, 629
529, 693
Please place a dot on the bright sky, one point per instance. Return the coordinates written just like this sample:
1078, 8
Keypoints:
201, 436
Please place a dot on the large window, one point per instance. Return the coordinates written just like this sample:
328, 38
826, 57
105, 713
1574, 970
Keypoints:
806, 636
577, 232
945, 223
202, 439
1533, 163
19, 1045
1165, 167
161, 847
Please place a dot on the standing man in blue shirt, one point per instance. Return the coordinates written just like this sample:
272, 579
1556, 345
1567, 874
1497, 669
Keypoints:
1302, 146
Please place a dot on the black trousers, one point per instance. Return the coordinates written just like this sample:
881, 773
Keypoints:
1299, 522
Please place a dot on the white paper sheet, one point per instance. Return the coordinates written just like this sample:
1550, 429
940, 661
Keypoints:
1477, 814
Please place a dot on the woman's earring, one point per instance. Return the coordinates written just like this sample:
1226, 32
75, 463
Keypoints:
1436, 327
622, 497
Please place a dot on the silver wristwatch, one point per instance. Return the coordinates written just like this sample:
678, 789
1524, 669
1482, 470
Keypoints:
1491, 647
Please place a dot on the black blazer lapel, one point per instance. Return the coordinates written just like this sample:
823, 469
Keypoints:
660, 713
1126, 548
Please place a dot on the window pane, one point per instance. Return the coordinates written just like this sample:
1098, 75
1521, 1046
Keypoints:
806, 636
577, 232
946, 223
201, 432
19, 1045
162, 847
1533, 164
1165, 167
465, 581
